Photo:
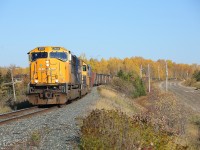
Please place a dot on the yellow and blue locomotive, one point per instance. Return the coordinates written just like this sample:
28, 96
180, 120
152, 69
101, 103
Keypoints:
56, 76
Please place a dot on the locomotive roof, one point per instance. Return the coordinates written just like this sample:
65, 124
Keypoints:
48, 48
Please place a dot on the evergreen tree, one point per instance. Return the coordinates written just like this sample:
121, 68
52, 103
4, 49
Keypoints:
196, 75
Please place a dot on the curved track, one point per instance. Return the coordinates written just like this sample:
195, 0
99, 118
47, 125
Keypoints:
22, 114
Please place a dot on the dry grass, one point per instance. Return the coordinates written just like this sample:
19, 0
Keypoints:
189, 82
192, 83
113, 100
197, 85
4, 109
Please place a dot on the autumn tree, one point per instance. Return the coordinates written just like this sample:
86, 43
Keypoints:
133, 64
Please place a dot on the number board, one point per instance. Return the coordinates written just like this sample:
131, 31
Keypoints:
41, 48
56, 48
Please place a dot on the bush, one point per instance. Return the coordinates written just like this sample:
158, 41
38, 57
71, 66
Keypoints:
197, 85
196, 75
115, 130
194, 81
190, 82
36, 137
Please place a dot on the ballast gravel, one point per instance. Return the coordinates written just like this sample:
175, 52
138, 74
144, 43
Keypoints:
59, 128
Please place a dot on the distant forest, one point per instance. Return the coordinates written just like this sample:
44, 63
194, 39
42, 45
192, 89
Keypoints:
133, 64
136, 64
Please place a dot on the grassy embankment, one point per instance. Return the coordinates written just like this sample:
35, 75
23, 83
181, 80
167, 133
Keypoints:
156, 121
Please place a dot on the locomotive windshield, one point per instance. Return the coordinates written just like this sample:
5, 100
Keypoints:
59, 55
35, 56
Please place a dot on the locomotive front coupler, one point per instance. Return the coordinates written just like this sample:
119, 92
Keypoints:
46, 94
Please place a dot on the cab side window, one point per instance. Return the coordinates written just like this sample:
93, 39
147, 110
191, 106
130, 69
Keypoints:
84, 68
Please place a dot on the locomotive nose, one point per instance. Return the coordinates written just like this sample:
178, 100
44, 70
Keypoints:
46, 71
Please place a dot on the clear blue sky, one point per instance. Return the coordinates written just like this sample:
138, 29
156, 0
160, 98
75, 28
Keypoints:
155, 29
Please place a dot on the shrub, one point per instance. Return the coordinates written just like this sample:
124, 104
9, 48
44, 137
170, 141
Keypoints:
115, 130
197, 85
35, 136
190, 82
196, 75
194, 81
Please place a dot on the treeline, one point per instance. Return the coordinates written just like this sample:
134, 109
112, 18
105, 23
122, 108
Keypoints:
133, 64
15, 70
136, 64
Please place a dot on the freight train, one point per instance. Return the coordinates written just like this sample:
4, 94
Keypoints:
57, 76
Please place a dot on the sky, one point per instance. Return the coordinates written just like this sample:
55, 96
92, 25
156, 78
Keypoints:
152, 29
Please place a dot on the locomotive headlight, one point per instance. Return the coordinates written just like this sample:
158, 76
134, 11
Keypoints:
36, 80
56, 80
47, 63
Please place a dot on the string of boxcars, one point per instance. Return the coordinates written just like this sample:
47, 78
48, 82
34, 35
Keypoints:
57, 76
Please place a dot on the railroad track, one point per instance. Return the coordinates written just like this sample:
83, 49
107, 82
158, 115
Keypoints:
22, 114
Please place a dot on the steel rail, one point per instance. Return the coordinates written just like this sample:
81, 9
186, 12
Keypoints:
14, 113
29, 115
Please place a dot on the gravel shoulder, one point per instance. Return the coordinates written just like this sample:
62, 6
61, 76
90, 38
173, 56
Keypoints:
60, 128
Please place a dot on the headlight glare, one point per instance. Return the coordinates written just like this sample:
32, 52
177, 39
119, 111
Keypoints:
36, 80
